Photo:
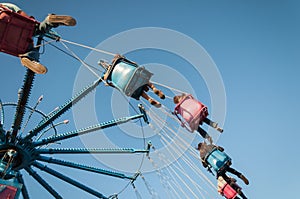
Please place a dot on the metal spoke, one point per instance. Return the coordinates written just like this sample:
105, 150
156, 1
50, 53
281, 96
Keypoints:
24, 189
87, 151
43, 182
86, 130
68, 180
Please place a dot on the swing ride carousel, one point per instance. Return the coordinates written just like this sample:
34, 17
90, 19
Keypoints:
167, 166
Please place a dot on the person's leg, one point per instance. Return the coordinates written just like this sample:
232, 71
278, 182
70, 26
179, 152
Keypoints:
152, 101
242, 194
53, 21
146, 88
213, 124
30, 61
210, 123
238, 174
204, 134
156, 91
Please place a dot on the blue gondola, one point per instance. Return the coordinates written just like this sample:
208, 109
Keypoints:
217, 160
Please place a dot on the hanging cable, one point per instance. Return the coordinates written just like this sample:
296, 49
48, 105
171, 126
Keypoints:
180, 178
82, 62
164, 178
164, 160
45, 43
138, 195
188, 162
168, 87
182, 140
88, 47
69, 54
150, 189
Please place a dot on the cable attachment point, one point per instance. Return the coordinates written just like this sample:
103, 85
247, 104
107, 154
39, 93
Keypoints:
134, 177
148, 148
143, 111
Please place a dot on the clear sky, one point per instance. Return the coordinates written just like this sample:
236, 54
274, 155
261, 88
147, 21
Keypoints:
254, 47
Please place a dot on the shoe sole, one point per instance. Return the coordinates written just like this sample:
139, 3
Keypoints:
246, 181
156, 104
33, 65
61, 19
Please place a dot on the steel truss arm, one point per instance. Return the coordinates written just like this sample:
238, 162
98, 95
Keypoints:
83, 167
88, 151
61, 110
86, 130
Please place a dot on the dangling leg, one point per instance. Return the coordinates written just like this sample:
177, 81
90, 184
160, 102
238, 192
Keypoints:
53, 21
30, 60
213, 124
238, 174
204, 134
241, 194
152, 101
156, 91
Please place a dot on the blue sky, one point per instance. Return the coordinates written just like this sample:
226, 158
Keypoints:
254, 45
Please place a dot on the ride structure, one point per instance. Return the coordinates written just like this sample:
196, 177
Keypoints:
26, 151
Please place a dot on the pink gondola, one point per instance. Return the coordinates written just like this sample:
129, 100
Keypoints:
225, 189
192, 111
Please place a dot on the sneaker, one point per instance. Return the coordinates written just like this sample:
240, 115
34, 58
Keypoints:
61, 20
246, 181
161, 95
220, 129
33, 65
